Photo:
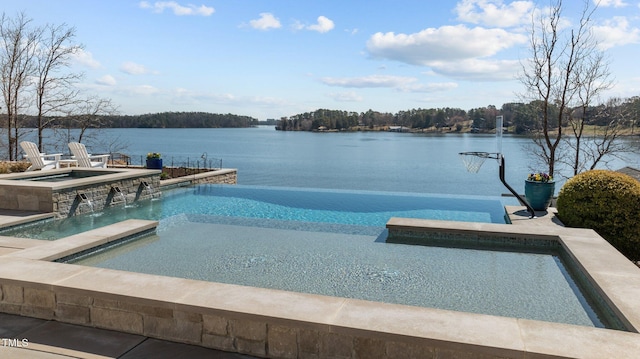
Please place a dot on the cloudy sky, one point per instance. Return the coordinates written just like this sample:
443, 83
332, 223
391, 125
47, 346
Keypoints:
274, 58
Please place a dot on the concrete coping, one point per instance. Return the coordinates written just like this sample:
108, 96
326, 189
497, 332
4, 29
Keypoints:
482, 335
53, 250
109, 174
191, 178
457, 331
615, 278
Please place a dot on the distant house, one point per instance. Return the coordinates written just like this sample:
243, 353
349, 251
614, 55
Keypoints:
398, 129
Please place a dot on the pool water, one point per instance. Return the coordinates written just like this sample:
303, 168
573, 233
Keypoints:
333, 243
358, 210
322, 261
67, 176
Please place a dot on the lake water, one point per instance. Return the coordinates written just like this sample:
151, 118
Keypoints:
376, 161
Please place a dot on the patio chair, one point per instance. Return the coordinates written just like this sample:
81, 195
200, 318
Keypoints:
80, 154
39, 161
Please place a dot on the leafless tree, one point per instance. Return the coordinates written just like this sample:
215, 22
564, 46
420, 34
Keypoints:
88, 113
592, 77
54, 85
552, 75
17, 48
601, 141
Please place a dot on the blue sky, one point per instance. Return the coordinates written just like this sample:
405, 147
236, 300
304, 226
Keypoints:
274, 58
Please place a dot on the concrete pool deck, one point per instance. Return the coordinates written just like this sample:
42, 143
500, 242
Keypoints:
279, 324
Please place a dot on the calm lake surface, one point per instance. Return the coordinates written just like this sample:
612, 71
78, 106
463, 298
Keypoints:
377, 161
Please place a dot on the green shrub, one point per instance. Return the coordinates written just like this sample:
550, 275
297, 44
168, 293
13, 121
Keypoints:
607, 202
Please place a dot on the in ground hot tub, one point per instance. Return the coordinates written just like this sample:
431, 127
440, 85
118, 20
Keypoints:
64, 191
65, 176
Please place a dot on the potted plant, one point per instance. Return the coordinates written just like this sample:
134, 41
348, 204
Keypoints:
154, 161
539, 188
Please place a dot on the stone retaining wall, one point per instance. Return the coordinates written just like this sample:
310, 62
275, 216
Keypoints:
66, 202
62, 198
57, 191
223, 176
246, 334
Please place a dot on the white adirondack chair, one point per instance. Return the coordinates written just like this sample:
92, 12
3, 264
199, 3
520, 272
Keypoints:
80, 154
39, 161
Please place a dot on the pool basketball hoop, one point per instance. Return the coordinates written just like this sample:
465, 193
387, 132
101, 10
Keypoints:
474, 160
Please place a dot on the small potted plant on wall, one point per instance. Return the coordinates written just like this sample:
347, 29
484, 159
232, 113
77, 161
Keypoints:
539, 188
154, 161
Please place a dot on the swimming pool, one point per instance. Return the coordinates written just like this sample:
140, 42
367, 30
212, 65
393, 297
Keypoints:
333, 243
350, 211
533, 284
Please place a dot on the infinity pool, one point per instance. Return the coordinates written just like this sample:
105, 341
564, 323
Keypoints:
359, 210
333, 243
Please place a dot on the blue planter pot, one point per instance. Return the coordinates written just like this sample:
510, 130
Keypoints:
154, 163
539, 194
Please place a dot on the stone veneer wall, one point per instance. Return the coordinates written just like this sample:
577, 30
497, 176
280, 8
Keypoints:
66, 202
225, 176
233, 332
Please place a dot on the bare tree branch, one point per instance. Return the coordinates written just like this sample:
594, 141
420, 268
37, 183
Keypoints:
17, 47
552, 75
54, 87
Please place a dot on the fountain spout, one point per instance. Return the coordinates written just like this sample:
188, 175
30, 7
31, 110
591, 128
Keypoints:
84, 200
117, 192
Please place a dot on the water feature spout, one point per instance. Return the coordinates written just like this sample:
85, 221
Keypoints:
84, 200
146, 186
118, 193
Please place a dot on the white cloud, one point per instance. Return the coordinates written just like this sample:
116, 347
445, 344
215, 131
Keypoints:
85, 58
132, 68
370, 81
349, 96
610, 3
477, 69
188, 97
265, 22
180, 10
431, 87
495, 13
400, 83
144, 90
616, 32
447, 43
297, 25
106, 80
324, 25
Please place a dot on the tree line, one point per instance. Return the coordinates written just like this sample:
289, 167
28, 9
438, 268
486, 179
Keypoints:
152, 120
521, 118
324, 119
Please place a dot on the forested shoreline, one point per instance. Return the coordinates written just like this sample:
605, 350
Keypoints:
153, 120
521, 118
